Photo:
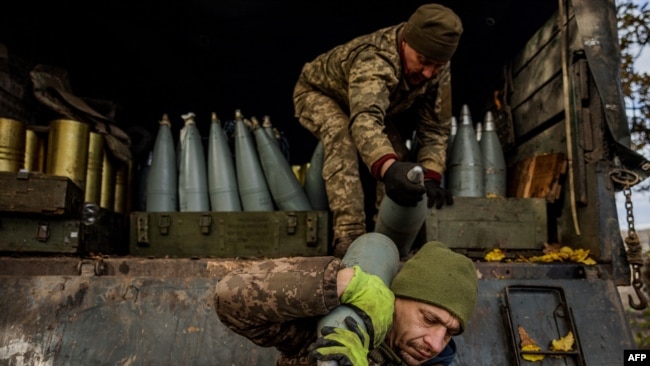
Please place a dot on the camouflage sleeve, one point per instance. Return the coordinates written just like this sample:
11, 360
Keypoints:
371, 80
278, 302
435, 124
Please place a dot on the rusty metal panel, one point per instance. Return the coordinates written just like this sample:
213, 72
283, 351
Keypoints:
594, 303
119, 319
138, 311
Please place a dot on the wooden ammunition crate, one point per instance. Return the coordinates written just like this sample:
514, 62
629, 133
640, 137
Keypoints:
229, 234
106, 232
488, 223
39, 193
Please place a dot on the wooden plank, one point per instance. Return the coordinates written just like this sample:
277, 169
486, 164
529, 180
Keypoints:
544, 66
541, 107
538, 176
550, 140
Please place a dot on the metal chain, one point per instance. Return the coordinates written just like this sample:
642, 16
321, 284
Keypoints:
627, 179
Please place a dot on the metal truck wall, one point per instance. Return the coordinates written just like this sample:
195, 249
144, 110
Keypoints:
129, 311
138, 312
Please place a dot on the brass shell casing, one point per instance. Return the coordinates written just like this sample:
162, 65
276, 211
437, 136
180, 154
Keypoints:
107, 199
35, 150
123, 176
93, 191
12, 145
67, 150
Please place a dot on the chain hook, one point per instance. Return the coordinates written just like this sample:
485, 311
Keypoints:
627, 179
637, 284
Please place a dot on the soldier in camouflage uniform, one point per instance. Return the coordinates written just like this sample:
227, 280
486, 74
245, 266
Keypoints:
346, 97
278, 303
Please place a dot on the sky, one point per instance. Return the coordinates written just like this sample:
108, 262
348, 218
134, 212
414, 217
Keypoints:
640, 200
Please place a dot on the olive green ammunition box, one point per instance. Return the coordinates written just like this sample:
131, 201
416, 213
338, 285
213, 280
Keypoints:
106, 233
487, 223
35, 192
229, 234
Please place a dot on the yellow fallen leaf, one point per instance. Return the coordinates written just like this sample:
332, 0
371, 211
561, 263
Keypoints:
555, 253
528, 344
546, 258
563, 343
529, 357
579, 255
588, 261
495, 255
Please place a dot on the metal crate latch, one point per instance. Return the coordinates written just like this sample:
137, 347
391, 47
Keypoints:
164, 222
142, 228
292, 223
87, 267
311, 231
43, 233
204, 223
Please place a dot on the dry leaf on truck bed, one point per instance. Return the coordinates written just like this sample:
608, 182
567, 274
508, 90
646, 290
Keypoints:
495, 255
564, 343
556, 253
528, 344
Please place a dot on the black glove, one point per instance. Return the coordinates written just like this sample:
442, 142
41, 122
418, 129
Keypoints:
437, 194
345, 347
398, 186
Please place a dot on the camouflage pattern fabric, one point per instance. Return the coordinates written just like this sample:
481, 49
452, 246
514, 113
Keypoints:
344, 97
277, 303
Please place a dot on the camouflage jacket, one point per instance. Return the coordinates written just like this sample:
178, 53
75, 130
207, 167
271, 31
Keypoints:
364, 76
278, 303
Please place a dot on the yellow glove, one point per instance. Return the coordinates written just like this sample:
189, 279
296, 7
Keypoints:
373, 301
346, 347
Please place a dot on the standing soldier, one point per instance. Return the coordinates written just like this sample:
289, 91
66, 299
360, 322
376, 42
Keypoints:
349, 96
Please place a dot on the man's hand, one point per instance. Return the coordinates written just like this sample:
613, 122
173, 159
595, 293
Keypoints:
398, 186
346, 347
437, 194
373, 301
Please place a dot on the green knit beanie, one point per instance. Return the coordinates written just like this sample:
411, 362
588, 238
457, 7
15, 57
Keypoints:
438, 276
434, 30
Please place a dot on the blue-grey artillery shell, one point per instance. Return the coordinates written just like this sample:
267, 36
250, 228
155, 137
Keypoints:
286, 190
494, 165
465, 162
162, 177
268, 128
253, 189
314, 182
450, 143
192, 177
376, 254
222, 181
402, 224
452, 135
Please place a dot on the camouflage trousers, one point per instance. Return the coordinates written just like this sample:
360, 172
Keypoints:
277, 303
326, 120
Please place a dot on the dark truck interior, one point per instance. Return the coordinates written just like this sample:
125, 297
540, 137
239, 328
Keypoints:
153, 57
135, 61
